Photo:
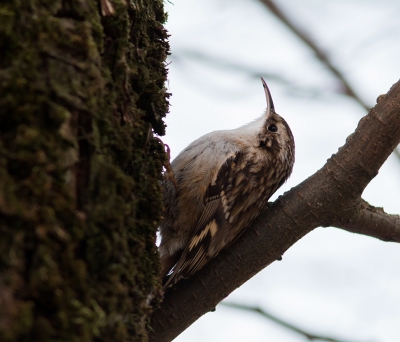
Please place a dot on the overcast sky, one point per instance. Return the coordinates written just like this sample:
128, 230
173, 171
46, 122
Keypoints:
331, 282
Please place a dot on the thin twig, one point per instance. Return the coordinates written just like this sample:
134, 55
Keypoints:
348, 90
320, 54
308, 335
223, 63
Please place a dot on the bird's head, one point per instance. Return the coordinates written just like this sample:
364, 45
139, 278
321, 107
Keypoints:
275, 134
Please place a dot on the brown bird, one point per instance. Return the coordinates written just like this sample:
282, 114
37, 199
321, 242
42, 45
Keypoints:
223, 181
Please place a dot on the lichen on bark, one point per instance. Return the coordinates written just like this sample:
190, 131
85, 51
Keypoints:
80, 98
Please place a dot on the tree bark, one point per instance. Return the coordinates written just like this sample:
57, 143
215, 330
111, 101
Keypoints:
81, 92
330, 197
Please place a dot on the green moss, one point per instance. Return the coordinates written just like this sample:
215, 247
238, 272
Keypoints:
79, 194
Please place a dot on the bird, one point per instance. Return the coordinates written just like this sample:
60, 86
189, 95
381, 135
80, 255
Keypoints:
220, 184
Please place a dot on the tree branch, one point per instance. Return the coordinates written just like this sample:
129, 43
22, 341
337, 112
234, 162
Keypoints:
371, 221
229, 65
324, 198
321, 55
308, 335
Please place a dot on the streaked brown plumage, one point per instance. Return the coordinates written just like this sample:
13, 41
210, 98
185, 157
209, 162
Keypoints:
224, 180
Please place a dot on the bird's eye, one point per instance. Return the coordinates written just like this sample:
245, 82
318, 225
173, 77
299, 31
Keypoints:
272, 128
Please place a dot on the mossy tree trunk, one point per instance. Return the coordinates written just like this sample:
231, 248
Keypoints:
81, 93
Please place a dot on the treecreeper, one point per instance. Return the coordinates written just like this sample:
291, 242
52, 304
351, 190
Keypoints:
222, 181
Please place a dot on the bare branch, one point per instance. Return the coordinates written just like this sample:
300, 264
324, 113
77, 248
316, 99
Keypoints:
308, 335
223, 63
320, 54
331, 193
371, 221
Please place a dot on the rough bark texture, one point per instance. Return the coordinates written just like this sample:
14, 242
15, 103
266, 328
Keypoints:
330, 197
80, 94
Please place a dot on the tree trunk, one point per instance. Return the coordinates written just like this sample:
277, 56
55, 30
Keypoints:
81, 93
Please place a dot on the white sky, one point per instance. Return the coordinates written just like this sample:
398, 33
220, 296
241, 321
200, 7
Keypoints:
331, 282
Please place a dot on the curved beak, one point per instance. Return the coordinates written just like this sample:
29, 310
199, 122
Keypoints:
270, 103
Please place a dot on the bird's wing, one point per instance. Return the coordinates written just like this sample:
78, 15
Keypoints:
213, 230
